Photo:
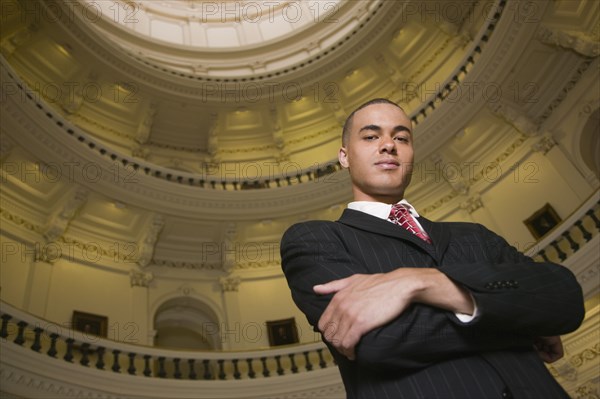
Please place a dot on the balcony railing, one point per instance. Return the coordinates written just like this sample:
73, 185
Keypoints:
50, 339
568, 237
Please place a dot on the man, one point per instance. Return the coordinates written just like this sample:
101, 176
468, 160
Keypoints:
447, 310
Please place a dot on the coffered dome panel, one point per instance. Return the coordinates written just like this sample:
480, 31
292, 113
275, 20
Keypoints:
111, 220
30, 186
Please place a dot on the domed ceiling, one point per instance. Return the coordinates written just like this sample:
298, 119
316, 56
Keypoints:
201, 122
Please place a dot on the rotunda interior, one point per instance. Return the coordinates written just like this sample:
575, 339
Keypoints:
153, 153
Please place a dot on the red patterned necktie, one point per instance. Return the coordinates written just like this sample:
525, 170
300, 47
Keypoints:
401, 216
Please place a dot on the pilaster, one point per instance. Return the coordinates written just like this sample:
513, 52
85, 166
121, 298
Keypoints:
562, 164
140, 282
229, 288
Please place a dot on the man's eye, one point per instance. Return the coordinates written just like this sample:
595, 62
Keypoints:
370, 137
402, 138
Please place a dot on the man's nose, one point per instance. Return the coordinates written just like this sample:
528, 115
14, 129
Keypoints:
387, 144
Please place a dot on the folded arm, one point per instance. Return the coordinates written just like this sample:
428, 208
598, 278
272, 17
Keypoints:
364, 302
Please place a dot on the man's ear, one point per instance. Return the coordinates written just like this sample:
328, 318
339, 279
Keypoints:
343, 157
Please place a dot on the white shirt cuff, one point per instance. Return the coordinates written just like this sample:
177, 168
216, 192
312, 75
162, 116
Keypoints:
467, 318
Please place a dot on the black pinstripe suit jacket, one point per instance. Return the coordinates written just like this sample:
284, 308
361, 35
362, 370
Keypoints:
427, 352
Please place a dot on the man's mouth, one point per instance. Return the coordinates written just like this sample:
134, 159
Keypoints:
388, 163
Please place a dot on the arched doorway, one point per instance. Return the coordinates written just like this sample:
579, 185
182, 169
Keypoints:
186, 323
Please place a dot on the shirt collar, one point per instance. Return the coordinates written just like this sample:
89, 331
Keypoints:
379, 209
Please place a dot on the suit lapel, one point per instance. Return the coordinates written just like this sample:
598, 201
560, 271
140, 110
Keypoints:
363, 221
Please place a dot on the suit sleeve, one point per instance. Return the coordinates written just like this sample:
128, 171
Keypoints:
514, 293
314, 253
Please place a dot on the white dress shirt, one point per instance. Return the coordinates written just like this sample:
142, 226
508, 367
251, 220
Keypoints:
382, 211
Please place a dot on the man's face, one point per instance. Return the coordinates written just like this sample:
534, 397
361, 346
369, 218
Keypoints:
379, 153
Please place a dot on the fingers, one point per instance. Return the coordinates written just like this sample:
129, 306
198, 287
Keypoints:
338, 323
342, 338
550, 349
332, 286
359, 304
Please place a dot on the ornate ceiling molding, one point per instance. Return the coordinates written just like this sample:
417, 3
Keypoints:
365, 30
135, 184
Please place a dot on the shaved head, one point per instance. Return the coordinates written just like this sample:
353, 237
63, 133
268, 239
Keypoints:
348, 123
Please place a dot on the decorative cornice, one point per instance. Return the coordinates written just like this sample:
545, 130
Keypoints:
19, 221
49, 388
569, 85
259, 265
186, 265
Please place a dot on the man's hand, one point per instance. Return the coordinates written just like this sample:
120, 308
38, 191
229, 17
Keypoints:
363, 302
550, 349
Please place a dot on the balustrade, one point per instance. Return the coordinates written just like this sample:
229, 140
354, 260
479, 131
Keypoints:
109, 356
569, 236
